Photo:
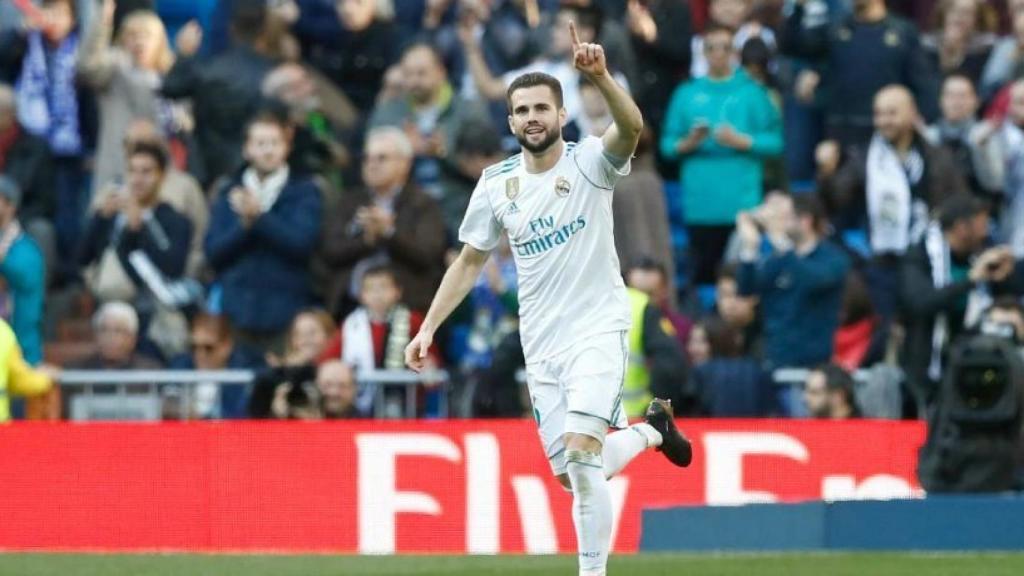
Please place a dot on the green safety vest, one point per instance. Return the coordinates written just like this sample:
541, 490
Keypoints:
636, 390
7, 345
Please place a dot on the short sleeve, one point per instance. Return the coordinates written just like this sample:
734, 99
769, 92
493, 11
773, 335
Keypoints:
595, 164
480, 229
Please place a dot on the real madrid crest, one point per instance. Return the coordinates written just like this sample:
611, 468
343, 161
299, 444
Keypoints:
562, 187
512, 188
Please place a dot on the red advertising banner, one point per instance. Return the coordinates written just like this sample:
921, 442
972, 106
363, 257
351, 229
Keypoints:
479, 487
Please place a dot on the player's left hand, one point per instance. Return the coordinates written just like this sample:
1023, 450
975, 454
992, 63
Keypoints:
587, 58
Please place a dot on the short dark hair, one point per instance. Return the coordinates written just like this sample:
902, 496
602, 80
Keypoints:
154, 150
648, 264
1007, 302
478, 138
727, 271
716, 28
248, 20
269, 115
810, 205
380, 269
531, 79
958, 208
724, 340
422, 45
839, 380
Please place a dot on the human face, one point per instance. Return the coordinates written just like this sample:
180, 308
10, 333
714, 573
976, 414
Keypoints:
308, 338
718, 50
379, 294
144, 177
266, 147
735, 310
536, 120
650, 282
356, 15
143, 42
115, 340
337, 387
209, 352
816, 396
958, 101
384, 167
59, 21
697, 347
894, 115
424, 75
729, 13
960, 18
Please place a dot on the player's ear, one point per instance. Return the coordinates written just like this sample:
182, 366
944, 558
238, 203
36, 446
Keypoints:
563, 117
510, 126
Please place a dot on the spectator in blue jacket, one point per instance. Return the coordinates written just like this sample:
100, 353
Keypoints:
24, 272
799, 281
263, 230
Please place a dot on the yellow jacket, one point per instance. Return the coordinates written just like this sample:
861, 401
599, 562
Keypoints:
16, 376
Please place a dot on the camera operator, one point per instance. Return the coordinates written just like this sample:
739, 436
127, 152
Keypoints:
946, 281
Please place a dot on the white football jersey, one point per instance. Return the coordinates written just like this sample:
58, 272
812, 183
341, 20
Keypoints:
559, 224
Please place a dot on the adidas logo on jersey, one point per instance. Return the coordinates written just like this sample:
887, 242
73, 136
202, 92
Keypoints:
512, 209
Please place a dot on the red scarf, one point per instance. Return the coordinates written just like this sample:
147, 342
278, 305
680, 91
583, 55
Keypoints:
7, 140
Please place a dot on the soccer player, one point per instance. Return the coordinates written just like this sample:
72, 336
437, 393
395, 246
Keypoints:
554, 200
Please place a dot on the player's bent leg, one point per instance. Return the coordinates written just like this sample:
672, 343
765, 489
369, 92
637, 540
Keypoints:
621, 447
592, 503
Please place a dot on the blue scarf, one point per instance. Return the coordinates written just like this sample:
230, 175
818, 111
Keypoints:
47, 100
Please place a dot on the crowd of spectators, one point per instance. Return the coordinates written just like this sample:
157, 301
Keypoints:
277, 186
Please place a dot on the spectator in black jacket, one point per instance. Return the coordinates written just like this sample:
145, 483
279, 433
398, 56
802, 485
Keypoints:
351, 45
660, 34
855, 58
946, 282
224, 91
134, 231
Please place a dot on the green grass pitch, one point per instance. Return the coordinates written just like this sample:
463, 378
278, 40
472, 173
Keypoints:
640, 565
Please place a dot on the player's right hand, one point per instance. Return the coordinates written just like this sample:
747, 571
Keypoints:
416, 351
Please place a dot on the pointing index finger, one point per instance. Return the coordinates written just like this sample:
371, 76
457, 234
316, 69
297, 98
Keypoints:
572, 33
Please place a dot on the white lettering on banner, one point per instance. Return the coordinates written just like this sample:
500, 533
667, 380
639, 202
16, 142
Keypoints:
483, 470
539, 535
724, 452
877, 487
379, 501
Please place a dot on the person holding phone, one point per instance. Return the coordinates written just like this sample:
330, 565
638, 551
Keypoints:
721, 128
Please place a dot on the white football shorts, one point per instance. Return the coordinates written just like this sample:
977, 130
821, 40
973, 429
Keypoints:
583, 381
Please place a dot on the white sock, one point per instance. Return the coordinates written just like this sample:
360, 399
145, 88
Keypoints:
591, 510
621, 447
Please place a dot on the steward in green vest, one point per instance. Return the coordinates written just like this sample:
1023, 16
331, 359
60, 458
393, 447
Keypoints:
657, 366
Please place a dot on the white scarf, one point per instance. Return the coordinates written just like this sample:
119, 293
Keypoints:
977, 301
895, 219
1012, 221
357, 349
269, 188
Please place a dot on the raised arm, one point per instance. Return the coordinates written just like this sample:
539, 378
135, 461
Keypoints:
457, 282
621, 137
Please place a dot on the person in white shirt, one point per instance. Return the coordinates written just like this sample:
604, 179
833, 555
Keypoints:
554, 201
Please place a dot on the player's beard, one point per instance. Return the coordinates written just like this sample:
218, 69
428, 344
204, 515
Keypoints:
550, 137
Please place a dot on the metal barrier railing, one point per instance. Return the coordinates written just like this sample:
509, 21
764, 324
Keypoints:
136, 394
